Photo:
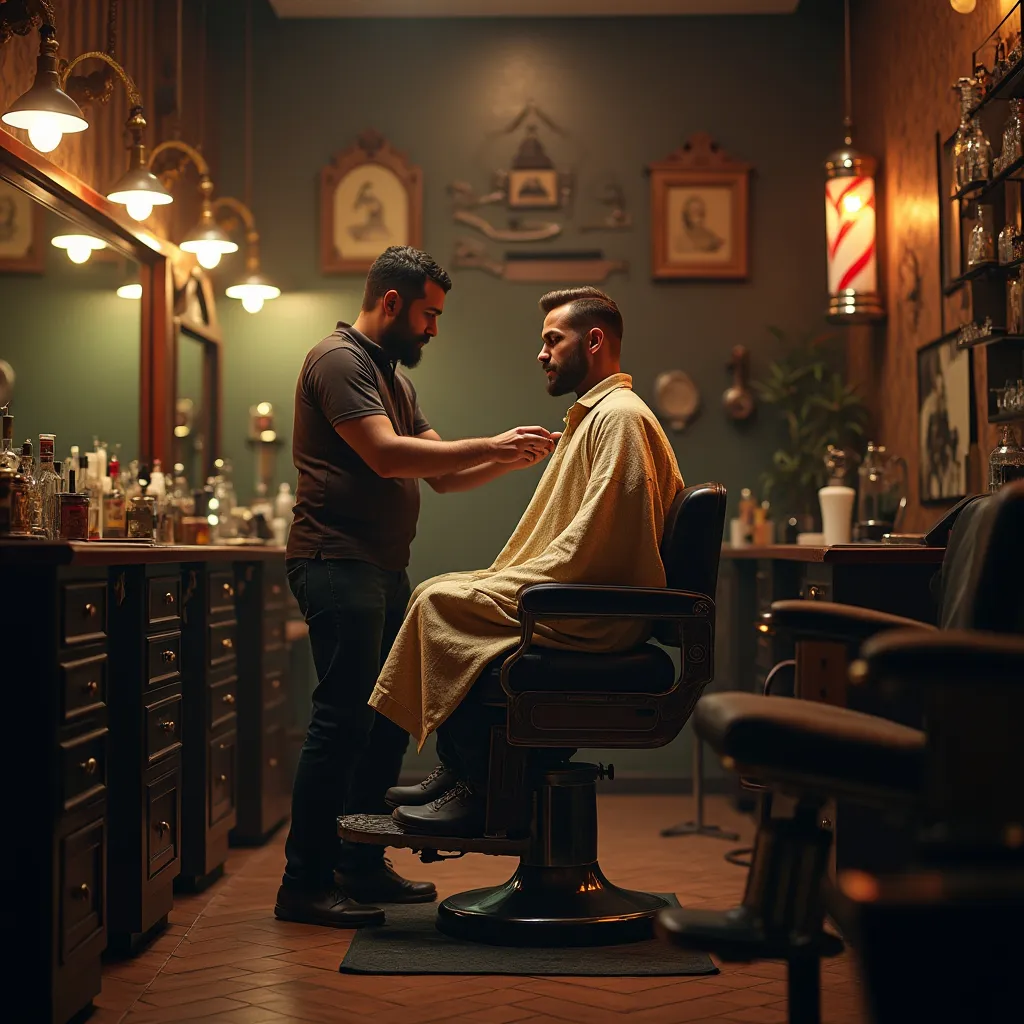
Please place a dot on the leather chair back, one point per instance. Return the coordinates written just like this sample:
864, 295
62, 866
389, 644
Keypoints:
691, 545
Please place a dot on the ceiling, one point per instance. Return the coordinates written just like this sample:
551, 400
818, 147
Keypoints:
521, 8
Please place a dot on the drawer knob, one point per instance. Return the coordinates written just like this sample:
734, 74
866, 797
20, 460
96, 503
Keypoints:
170, 657
90, 767
276, 589
168, 725
813, 592
90, 610
275, 684
222, 778
228, 698
272, 762
82, 892
168, 598
162, 827
92, 688
227, 643
229, 591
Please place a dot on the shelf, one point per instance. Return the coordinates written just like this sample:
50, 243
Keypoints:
993, 271
976, 191
1007, 417
1010, 86
998, 335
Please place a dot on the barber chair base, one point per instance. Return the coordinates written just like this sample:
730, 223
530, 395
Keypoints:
551, 906
383, 830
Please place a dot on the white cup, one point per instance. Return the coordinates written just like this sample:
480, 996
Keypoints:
836, 513
737, 533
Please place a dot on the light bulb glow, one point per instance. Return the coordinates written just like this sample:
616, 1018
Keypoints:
207, 256
252, 303
852, 203
130, 291
253, 294
78, 247
45, 132
139, 206
963, 6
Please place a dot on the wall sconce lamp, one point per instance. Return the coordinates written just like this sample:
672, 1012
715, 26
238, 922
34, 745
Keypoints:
78, 247
205, 241
850, 223
254, 289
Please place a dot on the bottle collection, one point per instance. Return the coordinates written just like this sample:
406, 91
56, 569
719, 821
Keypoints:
92, 496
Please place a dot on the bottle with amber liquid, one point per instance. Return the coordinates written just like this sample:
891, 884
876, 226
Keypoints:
114, 512
9, 457
49, 485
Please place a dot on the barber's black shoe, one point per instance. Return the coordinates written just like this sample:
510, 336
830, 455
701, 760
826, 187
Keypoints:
333, 907
383, 884
460, 812
436, 784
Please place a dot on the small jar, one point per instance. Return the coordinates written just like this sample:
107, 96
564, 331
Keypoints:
74, 515
141, 517
195, 530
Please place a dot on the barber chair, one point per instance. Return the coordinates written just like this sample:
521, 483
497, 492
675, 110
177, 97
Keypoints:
566, 700
958, 783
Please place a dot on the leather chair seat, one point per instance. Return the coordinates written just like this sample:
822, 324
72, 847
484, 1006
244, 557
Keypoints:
644, 669
827, 747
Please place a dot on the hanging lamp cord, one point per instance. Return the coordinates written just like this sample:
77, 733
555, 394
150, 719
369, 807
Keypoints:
848, 98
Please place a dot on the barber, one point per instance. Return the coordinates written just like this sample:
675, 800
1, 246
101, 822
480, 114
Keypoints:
361, 445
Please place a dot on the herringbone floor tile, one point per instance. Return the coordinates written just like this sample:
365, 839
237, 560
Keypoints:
224, 959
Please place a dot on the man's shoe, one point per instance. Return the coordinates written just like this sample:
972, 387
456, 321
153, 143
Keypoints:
331, 907
436, 784
382, 884
460, 812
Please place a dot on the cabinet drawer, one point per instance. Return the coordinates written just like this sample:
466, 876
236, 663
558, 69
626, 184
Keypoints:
83, 856
273, 631
164, 601
163, 818
223, 700
274, 688
816, 591
273, 767
84, 767
222, 643
222, 777
84, 611
275, 586
221, 591
83, 686
163, 727
163, 658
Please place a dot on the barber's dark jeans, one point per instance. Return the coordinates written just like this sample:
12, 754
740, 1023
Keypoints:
351, 755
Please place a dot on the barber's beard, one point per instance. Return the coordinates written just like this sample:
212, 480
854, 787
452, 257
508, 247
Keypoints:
570, 373
400, 343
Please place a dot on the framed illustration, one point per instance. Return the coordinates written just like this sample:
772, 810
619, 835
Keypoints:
370, 197
21, 232
945, 420
536, 189
699, 213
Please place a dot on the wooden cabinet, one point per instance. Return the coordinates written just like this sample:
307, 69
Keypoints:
58, 755
146, 748
209, 660
264, 789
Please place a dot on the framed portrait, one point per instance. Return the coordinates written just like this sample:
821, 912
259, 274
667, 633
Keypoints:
536, 189
945, 420
699, 214
370, 197
21, 232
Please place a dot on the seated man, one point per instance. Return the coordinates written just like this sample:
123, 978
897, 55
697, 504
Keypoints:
596, 517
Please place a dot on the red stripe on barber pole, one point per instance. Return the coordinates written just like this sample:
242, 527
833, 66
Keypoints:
858, 265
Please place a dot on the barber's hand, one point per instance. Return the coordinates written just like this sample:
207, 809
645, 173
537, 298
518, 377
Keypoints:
531, 458
523, 444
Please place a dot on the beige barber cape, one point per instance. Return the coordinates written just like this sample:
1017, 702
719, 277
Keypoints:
596, 517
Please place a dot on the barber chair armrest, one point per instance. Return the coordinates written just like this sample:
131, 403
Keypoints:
944, 656
571, 600
841, 623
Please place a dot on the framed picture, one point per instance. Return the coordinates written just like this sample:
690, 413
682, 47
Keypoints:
945, 420
21, 232
699, 213
370, 197
533, 189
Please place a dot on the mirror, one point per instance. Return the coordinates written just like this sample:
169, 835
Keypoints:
73, 343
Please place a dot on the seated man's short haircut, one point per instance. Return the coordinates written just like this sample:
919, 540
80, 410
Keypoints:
406, 270
588, 307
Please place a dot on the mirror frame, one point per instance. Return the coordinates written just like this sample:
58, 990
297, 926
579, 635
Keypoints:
73, 199
208, 334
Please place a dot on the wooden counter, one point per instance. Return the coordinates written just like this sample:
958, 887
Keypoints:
59, 552
840, 554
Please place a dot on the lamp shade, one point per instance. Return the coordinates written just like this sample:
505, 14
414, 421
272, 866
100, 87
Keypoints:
139, 190
46, 111
78, 247
850, 232
208, 243
253, 291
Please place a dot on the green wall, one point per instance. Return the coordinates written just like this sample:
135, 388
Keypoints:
629, 90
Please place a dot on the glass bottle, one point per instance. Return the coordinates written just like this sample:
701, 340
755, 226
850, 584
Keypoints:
1015, 303
1004, 243
972, 152
1006, 463
1013, 138
27, 469
114, 524
48, 484
981, 248
9, 458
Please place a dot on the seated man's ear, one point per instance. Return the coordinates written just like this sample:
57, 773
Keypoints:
595, 338
392, 302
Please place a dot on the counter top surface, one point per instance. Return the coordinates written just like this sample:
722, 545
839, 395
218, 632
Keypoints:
841, 554
96, 553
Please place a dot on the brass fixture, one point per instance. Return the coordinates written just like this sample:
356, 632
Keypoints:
205, 241
254, 289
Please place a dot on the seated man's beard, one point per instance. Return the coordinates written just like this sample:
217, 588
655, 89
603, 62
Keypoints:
399, 342
569, 374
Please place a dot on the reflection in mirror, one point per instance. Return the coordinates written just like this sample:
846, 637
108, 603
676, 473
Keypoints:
74, 345
189, 418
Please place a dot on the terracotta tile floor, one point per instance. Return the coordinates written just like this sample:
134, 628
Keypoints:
224, 958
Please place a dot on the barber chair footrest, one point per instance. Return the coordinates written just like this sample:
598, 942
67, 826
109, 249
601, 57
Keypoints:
383, 830
735, 935
551, 906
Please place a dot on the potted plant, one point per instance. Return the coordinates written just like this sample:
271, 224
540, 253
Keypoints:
817, 408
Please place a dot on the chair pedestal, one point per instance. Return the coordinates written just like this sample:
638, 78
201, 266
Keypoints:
558, 895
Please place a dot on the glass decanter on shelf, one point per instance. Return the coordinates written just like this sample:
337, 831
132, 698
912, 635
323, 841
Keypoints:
972, 152
981, 246
1013, 139
1006, 463
1005, 242
1015, 303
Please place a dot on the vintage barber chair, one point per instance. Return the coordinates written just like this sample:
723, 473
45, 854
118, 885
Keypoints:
557, 699
957, 782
